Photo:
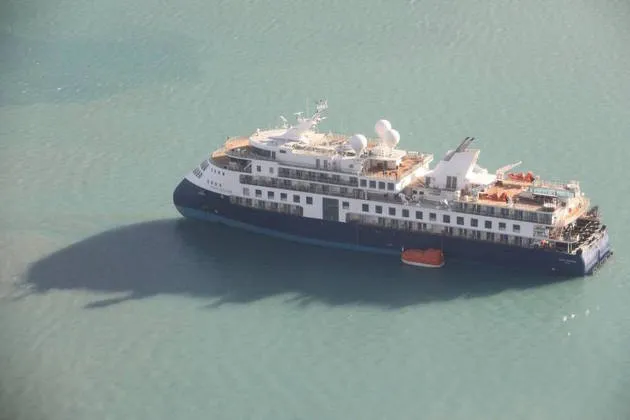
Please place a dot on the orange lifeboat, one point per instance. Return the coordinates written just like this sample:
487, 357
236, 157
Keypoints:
432, 258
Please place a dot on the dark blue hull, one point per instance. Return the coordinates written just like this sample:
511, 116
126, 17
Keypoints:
193, 202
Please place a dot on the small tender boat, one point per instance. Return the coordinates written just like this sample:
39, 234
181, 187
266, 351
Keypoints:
431, 258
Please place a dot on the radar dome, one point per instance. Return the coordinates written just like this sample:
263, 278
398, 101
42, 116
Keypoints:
391, 138
381, 127
358, 142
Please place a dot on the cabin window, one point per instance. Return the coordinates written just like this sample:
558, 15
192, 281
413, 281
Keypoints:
372, 184
283, 151
270, 169
390, 186
296, 198
364, 183
258, 193
258, 168
419, 215
392, 211
379, 209
245, 191
405, 213
381, 185
427, 181
365, 207
516, 228
488, 224
283, 196
501, 226
270, 194
460, 220
432, 216
474, 222
345, 205
309, 200
446, 218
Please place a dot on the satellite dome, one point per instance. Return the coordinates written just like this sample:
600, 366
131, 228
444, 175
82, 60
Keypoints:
358, 142
381, 127
391, 138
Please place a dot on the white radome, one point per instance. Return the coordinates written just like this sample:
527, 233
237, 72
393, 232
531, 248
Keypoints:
358, 142
391, 138
381, 127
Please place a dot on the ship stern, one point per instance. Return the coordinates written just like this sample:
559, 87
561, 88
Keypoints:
597, 253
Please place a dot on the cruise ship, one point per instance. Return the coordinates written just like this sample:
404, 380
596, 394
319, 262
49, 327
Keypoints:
367, 194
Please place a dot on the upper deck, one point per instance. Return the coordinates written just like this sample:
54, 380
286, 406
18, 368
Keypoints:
520, 195
242, 148
408, 163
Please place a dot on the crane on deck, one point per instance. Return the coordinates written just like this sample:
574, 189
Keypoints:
501, 171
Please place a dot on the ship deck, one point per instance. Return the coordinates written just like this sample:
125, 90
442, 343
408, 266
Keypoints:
511, 189
408, 163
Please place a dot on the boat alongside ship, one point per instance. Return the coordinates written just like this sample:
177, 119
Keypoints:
427, 258
349, 192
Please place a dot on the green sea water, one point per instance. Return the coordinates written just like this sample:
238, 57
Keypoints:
112, 307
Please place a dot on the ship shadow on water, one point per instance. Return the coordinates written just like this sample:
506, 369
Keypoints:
226, 265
